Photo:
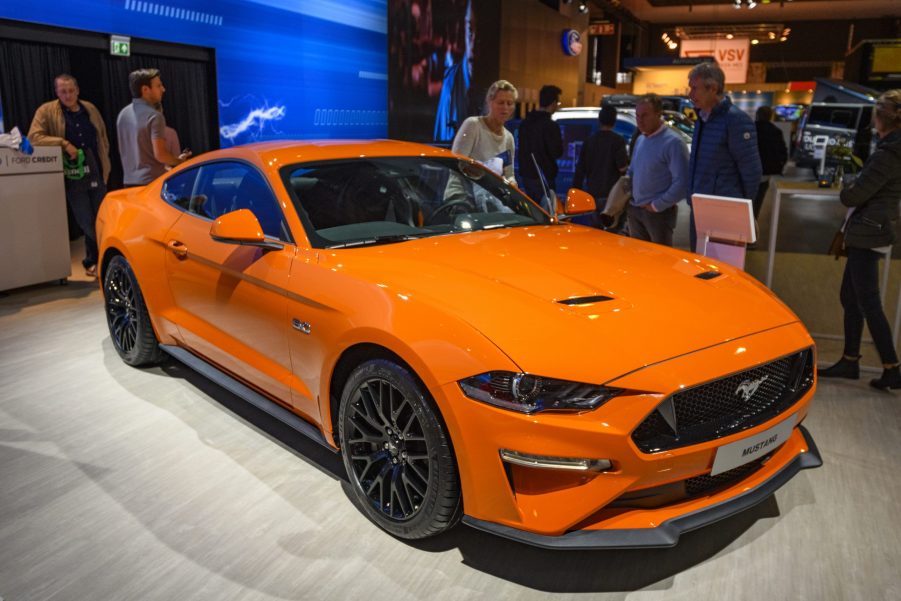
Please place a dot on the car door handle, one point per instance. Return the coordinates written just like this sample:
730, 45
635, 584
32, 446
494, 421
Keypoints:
179, 249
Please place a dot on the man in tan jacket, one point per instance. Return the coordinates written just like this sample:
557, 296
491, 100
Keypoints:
77, 127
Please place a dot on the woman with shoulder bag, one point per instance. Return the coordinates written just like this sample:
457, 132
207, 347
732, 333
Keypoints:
869, 233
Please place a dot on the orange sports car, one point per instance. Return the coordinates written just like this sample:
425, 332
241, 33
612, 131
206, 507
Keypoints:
469, 355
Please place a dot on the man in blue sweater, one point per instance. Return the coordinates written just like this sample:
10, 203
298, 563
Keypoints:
724, 159
659, 174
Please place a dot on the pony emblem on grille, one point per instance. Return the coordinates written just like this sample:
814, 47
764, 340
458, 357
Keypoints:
749, 387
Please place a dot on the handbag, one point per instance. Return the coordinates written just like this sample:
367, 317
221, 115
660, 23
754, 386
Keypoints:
837, 247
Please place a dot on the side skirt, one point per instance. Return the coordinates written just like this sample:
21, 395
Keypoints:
248, 394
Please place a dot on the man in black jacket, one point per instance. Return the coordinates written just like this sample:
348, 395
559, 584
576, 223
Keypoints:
773, 152
539, 137
602, 162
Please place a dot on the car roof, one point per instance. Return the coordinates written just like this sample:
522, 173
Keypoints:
285, 152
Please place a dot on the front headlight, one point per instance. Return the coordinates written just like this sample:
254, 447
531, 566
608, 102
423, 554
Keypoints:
528, 393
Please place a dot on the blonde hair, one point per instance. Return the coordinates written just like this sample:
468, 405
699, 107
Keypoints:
888, 108
501, 85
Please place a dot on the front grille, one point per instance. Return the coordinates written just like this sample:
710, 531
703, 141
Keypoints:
707, 483
731, 404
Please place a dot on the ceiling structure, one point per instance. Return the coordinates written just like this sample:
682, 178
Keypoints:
723, 11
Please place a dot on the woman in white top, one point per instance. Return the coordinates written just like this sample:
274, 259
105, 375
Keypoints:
485, 138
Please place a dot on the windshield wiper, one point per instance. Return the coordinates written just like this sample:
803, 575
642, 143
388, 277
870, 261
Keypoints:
384, 239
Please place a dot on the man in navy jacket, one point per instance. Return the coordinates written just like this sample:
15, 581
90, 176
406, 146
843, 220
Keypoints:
724, 159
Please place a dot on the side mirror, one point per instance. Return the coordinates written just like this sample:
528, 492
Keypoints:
241, 227
578, 202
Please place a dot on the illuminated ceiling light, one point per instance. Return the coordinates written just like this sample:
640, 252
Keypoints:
583, 7
729, 36
772, 35
754, 42
751, 4
782, 39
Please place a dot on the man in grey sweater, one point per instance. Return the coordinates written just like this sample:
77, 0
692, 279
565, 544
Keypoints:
659, 174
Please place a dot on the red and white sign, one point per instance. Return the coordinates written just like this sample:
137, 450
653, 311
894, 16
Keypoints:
731, 55
602, 28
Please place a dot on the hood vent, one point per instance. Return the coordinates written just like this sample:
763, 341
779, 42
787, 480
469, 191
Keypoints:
585, 300
708, 275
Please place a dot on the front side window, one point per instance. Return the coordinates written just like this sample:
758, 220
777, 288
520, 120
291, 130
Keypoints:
367, 201
223, 187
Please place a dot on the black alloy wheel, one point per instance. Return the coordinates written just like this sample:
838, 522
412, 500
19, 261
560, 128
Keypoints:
127, 316
397, 453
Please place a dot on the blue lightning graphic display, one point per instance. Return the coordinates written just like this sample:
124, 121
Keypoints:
311, 69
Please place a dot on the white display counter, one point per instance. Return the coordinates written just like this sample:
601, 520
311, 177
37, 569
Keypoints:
34, 230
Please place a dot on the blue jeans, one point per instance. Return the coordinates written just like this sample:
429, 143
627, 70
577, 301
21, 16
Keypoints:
85, 202
860, 300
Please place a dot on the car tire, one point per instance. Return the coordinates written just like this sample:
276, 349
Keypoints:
127, 317
397, 452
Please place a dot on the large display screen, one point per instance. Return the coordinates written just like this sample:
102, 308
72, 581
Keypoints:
285, 68
443, 55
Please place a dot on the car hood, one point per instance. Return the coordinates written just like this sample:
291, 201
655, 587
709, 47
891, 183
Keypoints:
648, 306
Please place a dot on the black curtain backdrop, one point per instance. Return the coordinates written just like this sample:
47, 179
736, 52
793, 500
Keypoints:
186, 103
26, 79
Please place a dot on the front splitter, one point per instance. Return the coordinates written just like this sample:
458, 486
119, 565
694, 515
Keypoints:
668, 533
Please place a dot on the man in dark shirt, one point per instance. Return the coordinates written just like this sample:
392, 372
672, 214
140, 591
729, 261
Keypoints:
602, 160
540, 142
76, 126
773, 152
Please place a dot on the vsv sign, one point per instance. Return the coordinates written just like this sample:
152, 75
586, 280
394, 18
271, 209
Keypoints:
731, 55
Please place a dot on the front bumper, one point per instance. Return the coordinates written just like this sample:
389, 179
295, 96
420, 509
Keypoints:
642, 490
666, 534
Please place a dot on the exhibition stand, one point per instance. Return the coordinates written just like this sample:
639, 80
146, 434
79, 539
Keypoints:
34, 231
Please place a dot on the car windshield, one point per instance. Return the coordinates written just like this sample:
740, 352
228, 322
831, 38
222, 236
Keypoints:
382, 200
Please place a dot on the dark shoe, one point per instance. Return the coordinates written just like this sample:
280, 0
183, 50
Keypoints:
890, 380
845, 368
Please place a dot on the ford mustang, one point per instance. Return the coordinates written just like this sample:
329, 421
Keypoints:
470, 356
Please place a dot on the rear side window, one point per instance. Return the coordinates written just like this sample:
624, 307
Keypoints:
178, 189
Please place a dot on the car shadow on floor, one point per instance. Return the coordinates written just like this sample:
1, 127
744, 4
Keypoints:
315, 454
533, 567
617, 570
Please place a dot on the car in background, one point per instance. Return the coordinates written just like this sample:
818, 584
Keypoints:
468, 355
577, 124
829, 123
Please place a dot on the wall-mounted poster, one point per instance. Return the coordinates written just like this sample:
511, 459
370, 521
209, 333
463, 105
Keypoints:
442, 57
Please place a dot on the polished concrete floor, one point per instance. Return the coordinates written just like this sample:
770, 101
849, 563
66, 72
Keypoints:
119, 483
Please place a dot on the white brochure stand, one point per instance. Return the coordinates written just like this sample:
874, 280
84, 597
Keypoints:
34, 229
725, 227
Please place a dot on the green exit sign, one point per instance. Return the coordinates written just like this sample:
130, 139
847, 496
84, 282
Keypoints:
120, 45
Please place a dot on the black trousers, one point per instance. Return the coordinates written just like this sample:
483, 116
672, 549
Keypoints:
860, 300
757, 203
85, 202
